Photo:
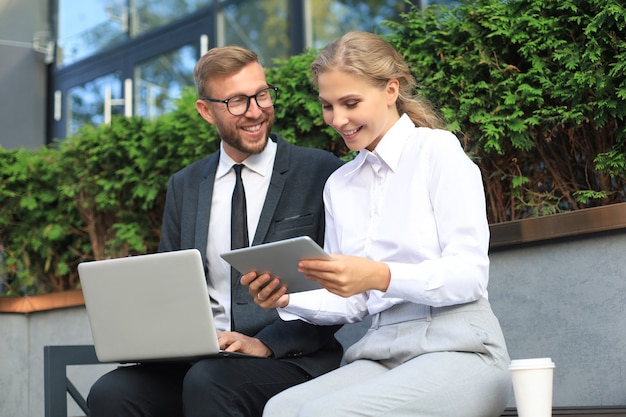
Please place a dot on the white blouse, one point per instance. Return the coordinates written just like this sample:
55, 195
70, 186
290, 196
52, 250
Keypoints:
416, 203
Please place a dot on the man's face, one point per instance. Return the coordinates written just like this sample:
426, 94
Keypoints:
248, 133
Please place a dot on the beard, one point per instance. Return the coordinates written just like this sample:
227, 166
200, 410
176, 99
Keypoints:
234, 137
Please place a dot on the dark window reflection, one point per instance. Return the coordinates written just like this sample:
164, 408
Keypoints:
261, 26
160, 81
86, 103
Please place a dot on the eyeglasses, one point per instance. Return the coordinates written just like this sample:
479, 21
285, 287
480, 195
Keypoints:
238, 105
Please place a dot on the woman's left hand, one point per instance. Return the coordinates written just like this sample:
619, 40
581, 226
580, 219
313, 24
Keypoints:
347, 275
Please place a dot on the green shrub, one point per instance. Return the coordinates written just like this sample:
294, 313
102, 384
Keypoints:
40, 240
98, 194
536, 91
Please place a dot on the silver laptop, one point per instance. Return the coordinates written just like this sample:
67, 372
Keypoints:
150, 308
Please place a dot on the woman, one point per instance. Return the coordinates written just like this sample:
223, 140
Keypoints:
406, 226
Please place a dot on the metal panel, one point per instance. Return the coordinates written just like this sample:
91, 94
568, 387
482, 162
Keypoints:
579, 222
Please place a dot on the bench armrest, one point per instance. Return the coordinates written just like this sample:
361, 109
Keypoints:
56, 384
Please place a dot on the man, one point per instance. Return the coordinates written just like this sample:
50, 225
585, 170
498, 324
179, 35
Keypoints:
283, 194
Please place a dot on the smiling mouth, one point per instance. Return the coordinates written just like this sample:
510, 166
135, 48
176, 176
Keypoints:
351, 132
253, 129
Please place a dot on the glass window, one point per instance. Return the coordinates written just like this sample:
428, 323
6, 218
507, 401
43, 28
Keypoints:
261, 26
88, 26
150, 14
332, 18
160, 81
86, 103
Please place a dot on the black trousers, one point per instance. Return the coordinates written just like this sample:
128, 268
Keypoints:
216, 387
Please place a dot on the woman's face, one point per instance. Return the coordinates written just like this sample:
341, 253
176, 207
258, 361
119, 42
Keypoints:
359, 111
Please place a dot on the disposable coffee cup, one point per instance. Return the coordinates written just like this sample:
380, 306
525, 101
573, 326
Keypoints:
532, 386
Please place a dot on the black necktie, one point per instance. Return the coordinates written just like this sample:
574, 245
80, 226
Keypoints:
238, 215
238, 239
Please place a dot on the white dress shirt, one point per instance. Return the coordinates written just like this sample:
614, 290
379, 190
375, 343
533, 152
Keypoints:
416, 203
256, 180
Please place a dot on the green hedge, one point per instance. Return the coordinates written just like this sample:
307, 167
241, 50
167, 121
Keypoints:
535, 90
95, 195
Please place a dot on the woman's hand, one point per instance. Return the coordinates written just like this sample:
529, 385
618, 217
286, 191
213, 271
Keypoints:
347, 275
268, 293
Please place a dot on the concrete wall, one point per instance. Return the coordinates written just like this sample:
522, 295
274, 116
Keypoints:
563, 299
567, 300
21, 358
22, 74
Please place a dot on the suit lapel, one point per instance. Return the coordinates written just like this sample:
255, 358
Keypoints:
203, 212
275, 190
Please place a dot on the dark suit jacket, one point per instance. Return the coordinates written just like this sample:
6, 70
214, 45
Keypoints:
293, 207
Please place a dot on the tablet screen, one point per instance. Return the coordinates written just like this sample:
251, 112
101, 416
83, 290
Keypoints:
279, 259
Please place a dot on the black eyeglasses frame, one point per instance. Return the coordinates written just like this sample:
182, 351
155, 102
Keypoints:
226, 101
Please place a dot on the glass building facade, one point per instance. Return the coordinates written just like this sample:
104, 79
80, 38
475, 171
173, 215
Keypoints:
134, 57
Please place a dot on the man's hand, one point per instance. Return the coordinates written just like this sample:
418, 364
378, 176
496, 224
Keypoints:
266, 291
237, 342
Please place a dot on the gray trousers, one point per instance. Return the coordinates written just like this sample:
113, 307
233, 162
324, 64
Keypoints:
451, 363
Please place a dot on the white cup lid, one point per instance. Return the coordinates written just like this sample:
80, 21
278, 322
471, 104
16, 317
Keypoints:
531, 363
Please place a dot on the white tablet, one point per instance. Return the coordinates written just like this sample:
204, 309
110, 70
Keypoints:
279, 259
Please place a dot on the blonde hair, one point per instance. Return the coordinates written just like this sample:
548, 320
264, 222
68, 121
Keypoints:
221, 61
373, 59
